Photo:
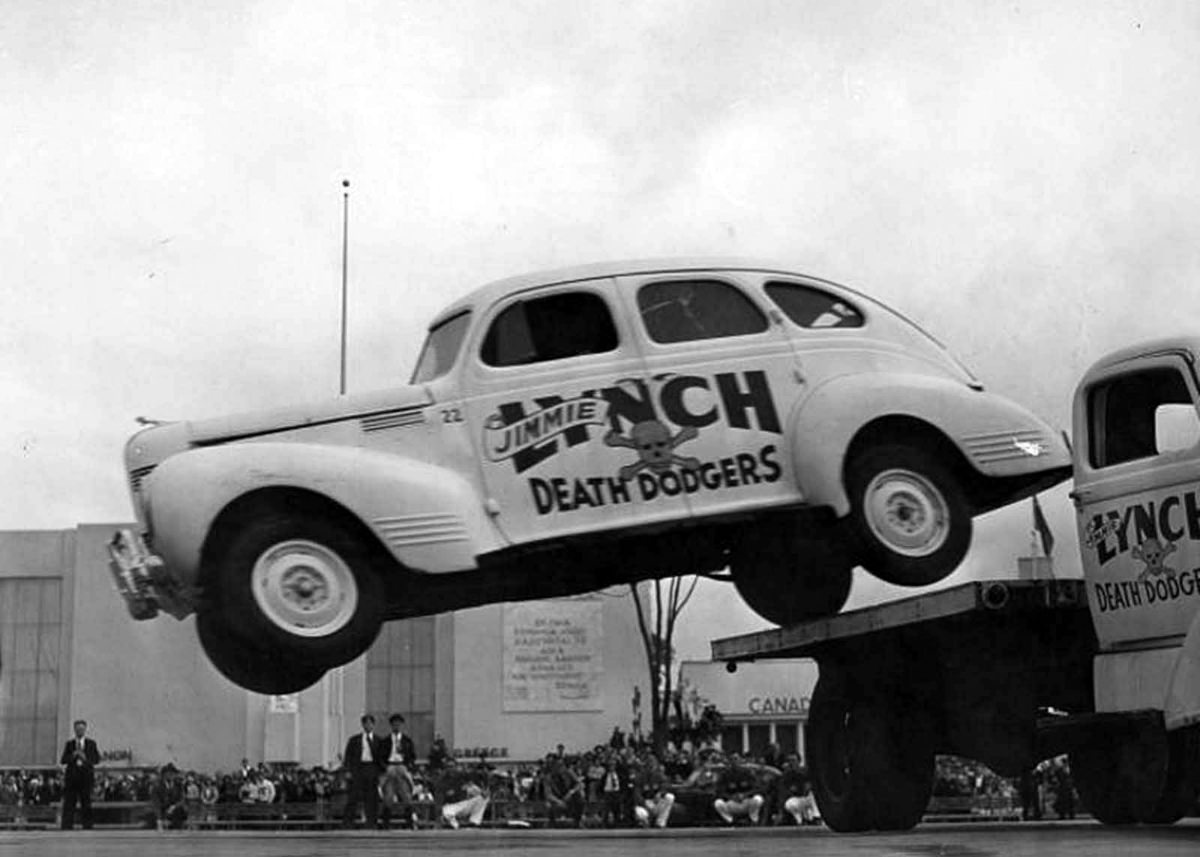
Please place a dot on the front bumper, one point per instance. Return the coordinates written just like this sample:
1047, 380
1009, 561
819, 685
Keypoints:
140, 576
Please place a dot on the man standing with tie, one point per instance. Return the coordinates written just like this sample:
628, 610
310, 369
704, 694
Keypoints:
364, 760
397, 781
79, 760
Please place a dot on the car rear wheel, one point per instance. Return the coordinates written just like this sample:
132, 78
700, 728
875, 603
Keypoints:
788, 577
303, 585
909, 522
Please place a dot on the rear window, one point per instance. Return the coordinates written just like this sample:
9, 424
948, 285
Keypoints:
1140, 415
688, 310
810, 307
555, 327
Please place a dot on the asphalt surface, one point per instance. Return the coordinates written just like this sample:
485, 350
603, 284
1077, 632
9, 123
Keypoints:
1072, 839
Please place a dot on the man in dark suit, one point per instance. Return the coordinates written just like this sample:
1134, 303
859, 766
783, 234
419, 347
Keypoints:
364, 760
79, 760
400, 758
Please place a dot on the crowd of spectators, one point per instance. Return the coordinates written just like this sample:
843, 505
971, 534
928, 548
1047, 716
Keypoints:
620, 783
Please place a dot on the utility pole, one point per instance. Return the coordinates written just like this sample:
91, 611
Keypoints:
345, 236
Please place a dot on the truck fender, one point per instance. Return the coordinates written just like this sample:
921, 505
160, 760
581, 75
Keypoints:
975, 422
428, 517
1182, 707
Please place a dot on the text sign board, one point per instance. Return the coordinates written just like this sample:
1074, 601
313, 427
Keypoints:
553, 657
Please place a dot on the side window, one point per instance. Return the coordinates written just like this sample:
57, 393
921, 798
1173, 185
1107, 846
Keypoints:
567, 324
811, 307
1140, 415
687, 310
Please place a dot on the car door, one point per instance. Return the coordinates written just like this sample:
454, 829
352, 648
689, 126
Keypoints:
547, 377
724, 378
1137, 497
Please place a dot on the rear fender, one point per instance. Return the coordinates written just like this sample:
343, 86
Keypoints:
427, 517
983, 427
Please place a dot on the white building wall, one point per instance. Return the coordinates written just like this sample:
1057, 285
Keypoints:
480, 716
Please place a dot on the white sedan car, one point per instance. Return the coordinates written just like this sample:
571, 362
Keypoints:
569, 430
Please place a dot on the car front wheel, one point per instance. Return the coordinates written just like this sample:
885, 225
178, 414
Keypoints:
300, 584
909, 522
250, 664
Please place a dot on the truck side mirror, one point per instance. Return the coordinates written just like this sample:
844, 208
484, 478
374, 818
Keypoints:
1176, 427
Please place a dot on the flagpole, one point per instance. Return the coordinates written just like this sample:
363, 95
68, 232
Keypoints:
345, 235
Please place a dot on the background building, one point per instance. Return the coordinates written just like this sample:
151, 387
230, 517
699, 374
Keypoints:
763, 703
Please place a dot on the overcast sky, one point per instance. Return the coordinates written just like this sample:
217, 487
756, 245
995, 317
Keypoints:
1021, 178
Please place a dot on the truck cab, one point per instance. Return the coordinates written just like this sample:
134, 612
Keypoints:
1136, 421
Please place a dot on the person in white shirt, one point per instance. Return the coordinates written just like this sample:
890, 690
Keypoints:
364, 759
397, 784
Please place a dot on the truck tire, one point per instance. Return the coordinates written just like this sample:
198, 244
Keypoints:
251, 666
1172, 759
909, 522
786, 577
840, 787
898, 760
872, 757
1095, 770
303, 585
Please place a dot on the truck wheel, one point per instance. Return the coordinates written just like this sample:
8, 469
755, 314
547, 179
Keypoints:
1169, 760
788, 578
304, 586
895, 739
1095, 770
909, 520
838, 782
251, 666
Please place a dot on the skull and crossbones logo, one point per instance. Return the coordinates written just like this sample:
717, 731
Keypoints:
655, 447
1152, 553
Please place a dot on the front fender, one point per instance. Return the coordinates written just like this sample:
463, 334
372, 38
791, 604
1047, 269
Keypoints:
997, 437
427, 516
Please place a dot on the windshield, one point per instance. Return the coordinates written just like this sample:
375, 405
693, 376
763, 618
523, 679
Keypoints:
441, 348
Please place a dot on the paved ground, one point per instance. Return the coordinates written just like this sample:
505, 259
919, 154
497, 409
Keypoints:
1079, 839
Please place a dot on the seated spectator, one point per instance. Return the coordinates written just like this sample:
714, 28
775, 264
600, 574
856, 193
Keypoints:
652, 801
462, 795
265, 790
803, 808
795, 794
738, 793
563, 791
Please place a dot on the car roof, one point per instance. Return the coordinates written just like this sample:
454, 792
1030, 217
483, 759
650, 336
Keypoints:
486, 294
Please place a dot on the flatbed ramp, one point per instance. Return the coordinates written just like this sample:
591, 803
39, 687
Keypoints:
990, 596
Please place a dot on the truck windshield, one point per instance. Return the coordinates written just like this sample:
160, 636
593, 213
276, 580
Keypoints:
441, 348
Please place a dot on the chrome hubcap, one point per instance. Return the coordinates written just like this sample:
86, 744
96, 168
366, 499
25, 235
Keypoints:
907, 513
304, 588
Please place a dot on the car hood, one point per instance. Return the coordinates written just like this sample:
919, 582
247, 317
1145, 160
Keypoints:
240, 426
